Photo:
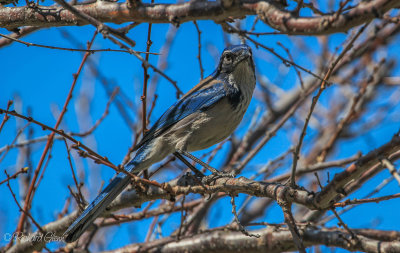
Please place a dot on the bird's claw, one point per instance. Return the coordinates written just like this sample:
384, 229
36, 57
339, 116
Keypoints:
217, 175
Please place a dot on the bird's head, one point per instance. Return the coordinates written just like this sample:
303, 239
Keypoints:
234, 57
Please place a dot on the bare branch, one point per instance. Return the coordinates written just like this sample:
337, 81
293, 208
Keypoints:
272, 240
268, 11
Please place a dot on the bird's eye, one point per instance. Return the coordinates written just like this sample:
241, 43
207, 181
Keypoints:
228, 58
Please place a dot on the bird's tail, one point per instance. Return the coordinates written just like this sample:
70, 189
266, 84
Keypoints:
101, 202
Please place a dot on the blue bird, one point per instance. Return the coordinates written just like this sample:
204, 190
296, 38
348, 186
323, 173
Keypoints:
204, 116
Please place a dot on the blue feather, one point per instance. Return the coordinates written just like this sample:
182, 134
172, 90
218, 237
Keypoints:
113, 189
198, 100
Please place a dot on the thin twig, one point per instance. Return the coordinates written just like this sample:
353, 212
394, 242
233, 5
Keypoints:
21, 32
15, 175
183, 217
316, 167
295, 67
20, 131
143, 98
151, 228
341, 223
311, 7
363, 201
19, 206
298, 8
105, 113
199, 50
77, 185
30, 44
6, 117
391, 169
241, 227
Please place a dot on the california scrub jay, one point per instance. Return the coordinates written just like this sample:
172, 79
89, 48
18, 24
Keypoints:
204, 116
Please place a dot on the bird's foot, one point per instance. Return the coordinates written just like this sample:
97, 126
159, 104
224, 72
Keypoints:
217, 175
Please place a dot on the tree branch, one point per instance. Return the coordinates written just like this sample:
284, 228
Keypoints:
272, 239
270, 12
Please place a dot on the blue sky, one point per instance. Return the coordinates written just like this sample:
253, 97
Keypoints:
40, 78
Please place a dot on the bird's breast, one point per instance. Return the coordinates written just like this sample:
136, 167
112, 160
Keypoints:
214, 125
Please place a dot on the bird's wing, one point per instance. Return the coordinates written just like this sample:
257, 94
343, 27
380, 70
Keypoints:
202, 96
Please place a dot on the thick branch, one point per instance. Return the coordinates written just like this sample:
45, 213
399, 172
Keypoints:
118, 13
288, 23
268, 11
272, 239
